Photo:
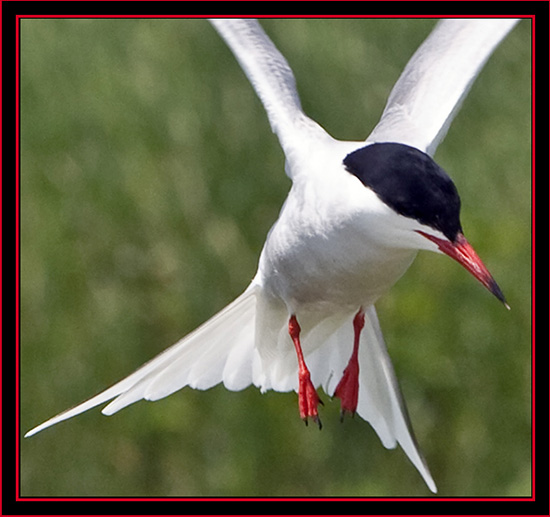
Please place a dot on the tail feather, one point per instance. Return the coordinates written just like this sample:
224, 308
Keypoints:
203, 366
380, 400
209, 355
248, 343
243, 364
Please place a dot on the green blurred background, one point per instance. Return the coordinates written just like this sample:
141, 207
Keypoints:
150, 178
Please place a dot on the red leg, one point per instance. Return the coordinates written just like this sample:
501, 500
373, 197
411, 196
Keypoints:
308, 400
348, 387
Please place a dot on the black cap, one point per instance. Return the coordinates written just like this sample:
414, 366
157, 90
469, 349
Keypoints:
410, 182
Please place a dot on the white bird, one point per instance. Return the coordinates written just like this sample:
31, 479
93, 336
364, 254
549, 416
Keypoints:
354, 220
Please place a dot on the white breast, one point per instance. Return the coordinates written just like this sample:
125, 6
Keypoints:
329, 246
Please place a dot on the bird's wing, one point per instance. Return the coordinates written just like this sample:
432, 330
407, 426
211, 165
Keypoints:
429, 92
272, 78
220, 350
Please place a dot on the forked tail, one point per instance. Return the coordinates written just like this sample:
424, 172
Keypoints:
224, 349
220, 350
380, 400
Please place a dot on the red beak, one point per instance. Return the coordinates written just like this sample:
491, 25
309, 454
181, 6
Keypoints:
464, 254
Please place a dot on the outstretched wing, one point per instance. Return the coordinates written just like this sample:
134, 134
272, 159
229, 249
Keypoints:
429, 92
273, 80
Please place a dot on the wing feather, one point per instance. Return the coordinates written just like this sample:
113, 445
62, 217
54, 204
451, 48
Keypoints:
429, 92
273, 80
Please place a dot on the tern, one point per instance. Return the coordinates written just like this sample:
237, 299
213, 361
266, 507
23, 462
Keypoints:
353, 222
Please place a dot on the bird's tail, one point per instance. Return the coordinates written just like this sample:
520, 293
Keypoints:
220, 350
380, 401
247, 343
327, 346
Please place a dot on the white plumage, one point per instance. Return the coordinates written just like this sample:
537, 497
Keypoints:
335, 248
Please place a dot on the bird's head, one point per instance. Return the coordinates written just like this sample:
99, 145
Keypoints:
425, 200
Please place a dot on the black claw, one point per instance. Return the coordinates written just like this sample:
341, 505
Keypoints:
343, 413
317, 420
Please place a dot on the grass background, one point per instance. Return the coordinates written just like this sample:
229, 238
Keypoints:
150, 178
